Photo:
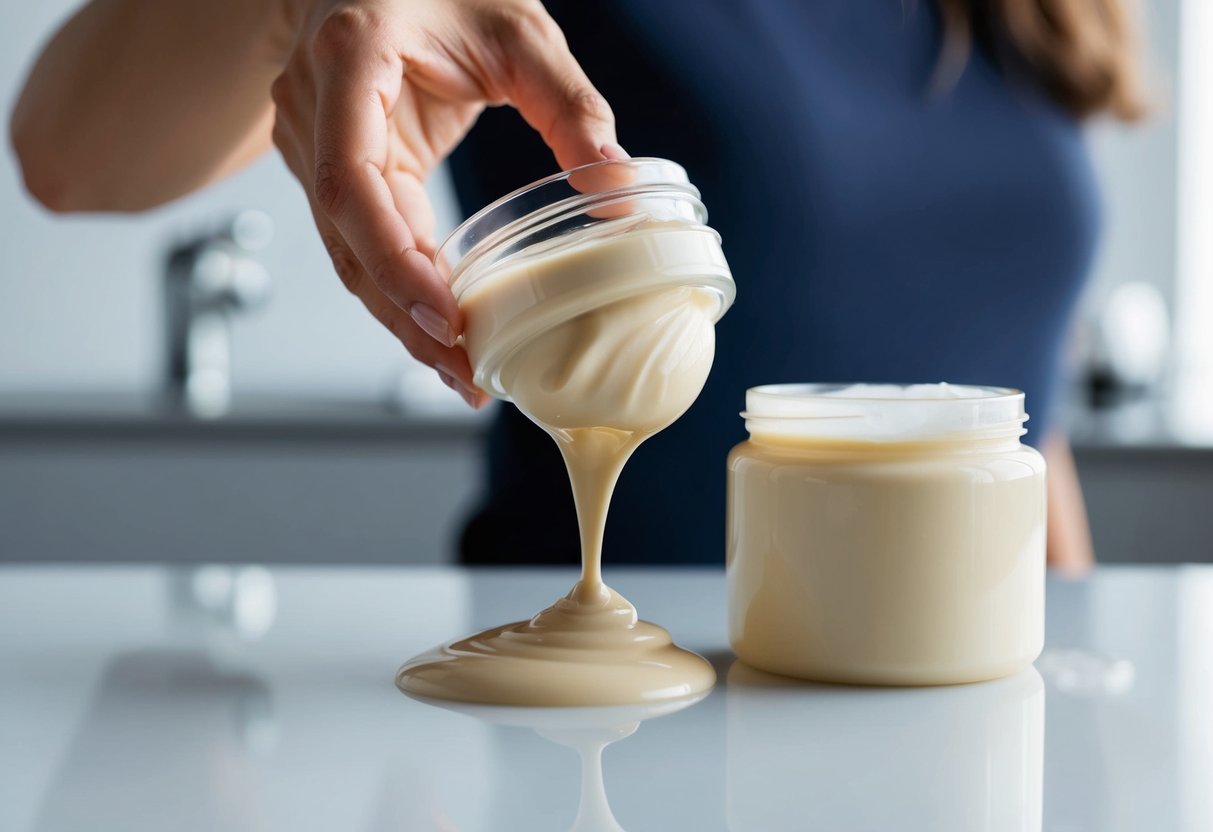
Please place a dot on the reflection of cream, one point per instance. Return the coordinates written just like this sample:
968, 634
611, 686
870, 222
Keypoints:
587, 731
950, 759
601, 360
886, 535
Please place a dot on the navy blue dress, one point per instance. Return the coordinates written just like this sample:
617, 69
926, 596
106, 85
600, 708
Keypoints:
877, 231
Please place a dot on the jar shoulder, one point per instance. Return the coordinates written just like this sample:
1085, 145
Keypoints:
1005, 463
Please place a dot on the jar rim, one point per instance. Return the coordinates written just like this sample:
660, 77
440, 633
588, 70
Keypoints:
876, 412
552, 195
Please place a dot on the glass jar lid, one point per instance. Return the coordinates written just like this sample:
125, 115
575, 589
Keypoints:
600, 192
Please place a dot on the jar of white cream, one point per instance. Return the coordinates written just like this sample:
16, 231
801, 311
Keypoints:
886, 534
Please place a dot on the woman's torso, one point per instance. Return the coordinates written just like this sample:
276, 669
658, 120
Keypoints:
877, 232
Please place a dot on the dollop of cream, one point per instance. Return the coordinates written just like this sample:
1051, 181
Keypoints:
633, 366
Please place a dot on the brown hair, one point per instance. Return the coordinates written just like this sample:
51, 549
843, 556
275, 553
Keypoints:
1082, 53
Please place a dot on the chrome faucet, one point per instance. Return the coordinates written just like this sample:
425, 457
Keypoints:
207, 279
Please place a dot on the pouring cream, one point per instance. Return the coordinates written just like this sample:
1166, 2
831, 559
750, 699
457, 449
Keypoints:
603, 338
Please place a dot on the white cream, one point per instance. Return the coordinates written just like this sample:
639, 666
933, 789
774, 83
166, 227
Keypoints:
917, 559
601, 364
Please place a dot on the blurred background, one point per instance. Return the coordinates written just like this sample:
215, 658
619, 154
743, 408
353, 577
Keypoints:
194, 384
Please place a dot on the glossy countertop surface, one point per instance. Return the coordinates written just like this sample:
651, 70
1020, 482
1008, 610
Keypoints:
139, 698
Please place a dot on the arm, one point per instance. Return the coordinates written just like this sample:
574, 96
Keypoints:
134, 103
1069, 535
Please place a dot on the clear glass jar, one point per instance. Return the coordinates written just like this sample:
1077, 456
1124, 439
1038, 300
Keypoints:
886, 534
619, 229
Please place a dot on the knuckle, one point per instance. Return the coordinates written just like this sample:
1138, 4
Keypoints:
585, 102
396, 325
513, 22
280, 134
331, 186
345, 32
282, 141
386, 271
344, 263
382, 272
280, 92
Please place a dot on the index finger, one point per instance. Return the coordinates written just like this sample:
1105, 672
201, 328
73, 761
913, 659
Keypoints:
356, 91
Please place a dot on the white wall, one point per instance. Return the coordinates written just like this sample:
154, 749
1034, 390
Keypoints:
1138, 166
80, 296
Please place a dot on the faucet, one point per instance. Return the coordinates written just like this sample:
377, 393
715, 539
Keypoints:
207, 280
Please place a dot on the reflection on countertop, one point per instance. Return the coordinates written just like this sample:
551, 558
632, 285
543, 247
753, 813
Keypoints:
170, 727
586, 731
951, 759
117, 714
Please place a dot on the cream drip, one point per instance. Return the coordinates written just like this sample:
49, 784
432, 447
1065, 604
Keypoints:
600, 383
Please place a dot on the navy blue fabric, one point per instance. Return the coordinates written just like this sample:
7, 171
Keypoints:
877, 231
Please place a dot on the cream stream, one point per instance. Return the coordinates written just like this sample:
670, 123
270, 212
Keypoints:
599, 384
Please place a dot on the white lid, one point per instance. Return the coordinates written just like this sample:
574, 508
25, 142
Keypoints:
884, 412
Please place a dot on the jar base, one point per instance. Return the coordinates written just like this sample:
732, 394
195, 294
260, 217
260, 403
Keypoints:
893, 678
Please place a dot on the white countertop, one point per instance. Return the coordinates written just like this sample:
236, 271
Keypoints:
136, 699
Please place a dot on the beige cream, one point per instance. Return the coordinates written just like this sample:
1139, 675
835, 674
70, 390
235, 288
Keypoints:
527, 294
912, 562
601, 366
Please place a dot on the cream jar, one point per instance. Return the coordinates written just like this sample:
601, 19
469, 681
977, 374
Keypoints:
886, 534
606, 233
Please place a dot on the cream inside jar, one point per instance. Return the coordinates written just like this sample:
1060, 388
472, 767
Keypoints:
886, 534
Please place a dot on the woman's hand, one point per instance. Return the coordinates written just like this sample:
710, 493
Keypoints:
375, 94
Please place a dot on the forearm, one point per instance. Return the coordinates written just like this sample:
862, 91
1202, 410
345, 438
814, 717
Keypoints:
136, 102
1069, 535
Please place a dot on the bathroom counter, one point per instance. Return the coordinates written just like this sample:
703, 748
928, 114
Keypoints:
142, 697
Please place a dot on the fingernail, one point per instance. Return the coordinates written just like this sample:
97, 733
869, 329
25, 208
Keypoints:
435, 325
611, 150
452, 381
446, 373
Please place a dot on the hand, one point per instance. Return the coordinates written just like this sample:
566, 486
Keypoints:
375, 94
